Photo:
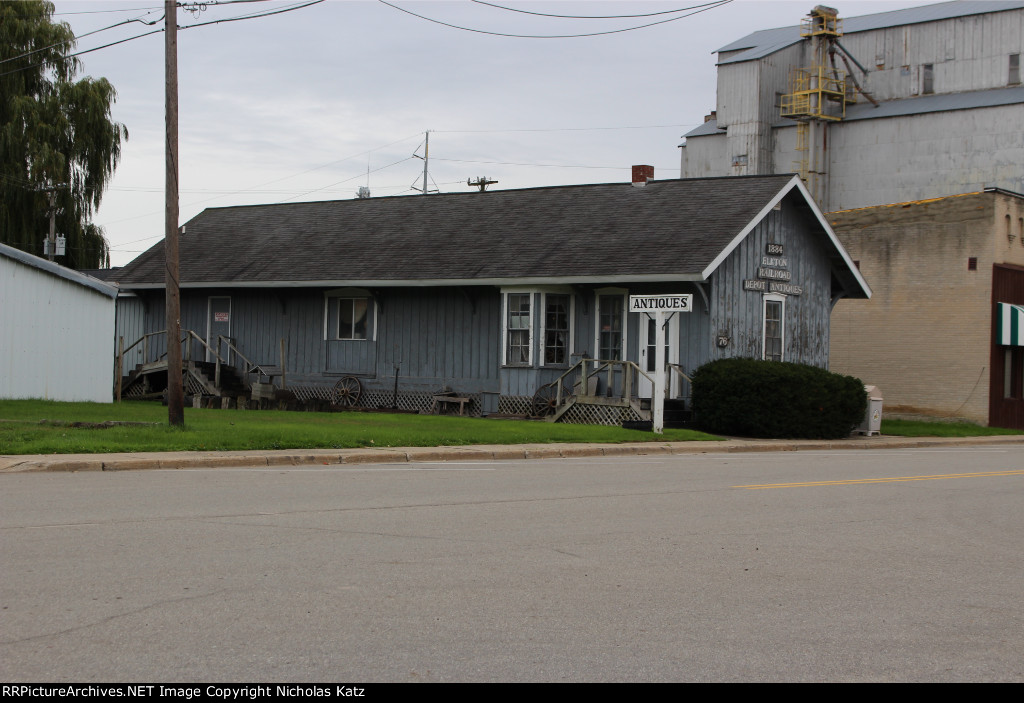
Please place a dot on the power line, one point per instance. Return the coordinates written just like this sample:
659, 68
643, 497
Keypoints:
86, 51
561, 129
593, 17
80, 36
346, 180
513, 163
251, 189
252, 16
188, 26
710, 6
136, 9
100, 12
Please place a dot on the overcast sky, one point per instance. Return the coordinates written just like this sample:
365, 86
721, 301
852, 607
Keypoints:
298, 106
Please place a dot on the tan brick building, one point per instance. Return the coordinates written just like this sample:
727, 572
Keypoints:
926, 338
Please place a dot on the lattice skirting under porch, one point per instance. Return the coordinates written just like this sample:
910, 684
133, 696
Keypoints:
515, 405
581, 414
415, 401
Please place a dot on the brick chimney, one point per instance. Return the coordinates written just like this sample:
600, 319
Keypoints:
641, 174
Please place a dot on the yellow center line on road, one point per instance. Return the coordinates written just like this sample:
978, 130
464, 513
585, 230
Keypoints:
894, 479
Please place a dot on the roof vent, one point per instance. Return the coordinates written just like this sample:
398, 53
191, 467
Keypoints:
642, 174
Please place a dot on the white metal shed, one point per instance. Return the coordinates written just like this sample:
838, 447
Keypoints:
56, 331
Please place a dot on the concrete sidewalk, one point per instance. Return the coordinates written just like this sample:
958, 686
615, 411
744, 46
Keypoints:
393, 455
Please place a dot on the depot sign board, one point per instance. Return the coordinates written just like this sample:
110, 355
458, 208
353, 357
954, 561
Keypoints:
661, 303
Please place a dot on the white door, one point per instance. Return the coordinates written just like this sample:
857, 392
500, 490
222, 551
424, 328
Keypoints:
645, 388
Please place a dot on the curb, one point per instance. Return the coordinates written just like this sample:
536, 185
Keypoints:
394, 455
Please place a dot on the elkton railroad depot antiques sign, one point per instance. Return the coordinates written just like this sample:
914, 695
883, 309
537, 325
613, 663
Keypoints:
663, 303
773, 274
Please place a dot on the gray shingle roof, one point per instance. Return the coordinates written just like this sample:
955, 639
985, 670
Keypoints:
670, 228
768, 41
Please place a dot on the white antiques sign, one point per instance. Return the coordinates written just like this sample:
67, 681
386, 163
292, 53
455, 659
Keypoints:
664, 303
660, 306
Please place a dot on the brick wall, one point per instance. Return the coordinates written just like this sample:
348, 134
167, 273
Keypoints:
924, 338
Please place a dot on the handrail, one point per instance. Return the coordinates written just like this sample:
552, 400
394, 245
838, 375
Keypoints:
227, 340
679, 370
600, 365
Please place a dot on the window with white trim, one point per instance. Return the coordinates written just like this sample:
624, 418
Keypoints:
352, 316
774, 328
557, 331
610, 326
349, 315
518, 329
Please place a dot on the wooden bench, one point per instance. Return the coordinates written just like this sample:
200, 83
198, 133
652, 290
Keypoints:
443, 401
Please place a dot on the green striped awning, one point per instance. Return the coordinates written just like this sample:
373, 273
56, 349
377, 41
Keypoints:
1010, 325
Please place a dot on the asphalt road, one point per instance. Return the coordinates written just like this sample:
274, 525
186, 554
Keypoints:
875, 565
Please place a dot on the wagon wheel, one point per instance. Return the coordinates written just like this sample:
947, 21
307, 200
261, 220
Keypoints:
346, 391
545, 400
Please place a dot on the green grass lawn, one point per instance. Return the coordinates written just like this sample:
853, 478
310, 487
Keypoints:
24, 430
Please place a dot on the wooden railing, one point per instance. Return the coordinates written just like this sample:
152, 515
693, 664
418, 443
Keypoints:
186, 339
585, 369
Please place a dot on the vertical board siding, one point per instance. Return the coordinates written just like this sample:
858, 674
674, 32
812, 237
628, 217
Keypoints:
441, 337
737, 313
57, 337
130, 326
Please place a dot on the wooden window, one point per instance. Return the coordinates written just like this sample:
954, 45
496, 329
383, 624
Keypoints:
1014, 77
557, 328
972, 263
518, 326
352, 318
774, 328
928, 78
609, 326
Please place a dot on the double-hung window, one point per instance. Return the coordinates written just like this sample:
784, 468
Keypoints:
610, 326
518, 329
557, 333
551, 313
352, 318
774, 328
349, 315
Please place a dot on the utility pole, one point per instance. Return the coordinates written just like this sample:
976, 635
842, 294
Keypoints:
51, 239
426, 163
175, 388
426, 160
482, 182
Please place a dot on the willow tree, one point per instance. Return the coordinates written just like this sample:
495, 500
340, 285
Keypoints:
55, 132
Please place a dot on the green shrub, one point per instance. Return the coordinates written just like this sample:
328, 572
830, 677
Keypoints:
750, 398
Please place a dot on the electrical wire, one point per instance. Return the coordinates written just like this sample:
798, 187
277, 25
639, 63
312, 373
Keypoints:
253, 16
337, 183
188, 26
86, 51
100, 12
80, 36
513, 163
711, 6
593, 17
561, 129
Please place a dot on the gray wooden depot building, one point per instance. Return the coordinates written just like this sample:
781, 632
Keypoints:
506, 298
